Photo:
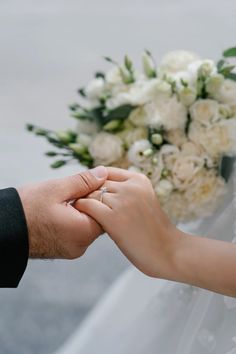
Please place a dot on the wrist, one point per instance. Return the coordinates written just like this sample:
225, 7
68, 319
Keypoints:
171, 265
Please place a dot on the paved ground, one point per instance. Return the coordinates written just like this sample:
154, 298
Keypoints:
47, 49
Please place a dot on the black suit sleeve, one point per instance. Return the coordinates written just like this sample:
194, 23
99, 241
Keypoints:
14, 247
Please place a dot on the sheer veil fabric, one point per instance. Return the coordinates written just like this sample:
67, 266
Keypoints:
142, 315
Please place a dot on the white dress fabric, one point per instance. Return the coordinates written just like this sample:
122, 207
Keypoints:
142, 315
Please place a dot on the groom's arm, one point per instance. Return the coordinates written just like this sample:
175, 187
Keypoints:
40, 222
14, 246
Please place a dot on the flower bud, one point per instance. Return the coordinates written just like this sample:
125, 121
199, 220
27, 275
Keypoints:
148, 65
157, 139
148, 153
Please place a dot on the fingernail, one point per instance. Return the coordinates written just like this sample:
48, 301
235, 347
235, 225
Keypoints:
99, 172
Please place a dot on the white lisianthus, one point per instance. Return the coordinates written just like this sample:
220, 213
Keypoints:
95, 88
113, 77
187, 95
207, 68
164, 188
176, 61
87, 127
185, 169
106, 149
170, 114
225, 111
177, 207
84, 139
136, 153
214, 83
205, 112
227, 92
139, 93
217, 139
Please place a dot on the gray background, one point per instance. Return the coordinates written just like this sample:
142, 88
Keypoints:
48, 48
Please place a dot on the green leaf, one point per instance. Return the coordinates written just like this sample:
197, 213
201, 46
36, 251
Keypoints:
30, 127
58, 164
232, 76
231, 52
51, 153
121, 112
110, 60
99, 74
81, 92
220, 64
128, 63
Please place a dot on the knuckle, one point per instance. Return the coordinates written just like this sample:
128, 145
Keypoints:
86, 180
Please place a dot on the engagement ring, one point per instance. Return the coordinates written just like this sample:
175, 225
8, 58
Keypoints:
103, 191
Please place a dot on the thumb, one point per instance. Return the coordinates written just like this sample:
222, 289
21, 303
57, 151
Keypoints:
82, 184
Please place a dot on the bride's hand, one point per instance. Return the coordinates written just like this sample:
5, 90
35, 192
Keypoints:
131, 215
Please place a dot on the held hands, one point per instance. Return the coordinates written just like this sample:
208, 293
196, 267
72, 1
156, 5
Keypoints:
131, 215
56, 228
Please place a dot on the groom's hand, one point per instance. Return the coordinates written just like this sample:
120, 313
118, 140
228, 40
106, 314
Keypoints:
56, 228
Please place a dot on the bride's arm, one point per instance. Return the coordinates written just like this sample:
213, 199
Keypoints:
132, 216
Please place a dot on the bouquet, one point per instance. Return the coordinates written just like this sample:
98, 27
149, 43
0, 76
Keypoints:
173, 122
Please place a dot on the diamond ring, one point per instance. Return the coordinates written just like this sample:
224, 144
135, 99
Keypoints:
103, 191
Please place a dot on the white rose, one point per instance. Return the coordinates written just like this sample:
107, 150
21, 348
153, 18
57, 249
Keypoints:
87, 127
230, 126
170, 113
206, 192
168, 154
176, 61
191, 149
164, 188
95, 88
217, 139
177, 207
205, 112
227, 92
176, 136
106, 149
136, 153
185, 169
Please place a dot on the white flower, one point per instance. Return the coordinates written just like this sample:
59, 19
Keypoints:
187, 95
230, 126
214, 83
177, 207
191, 149
168, 154
136, 153
176, 136
164, 188
185, 169
139, 93
170, 114
87, 127
206, 192
207, 68
113, 76
205, 112
166, 113
95, 88
106, 148
130, 136
227, 92
217, 139
84, 139
176, 61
